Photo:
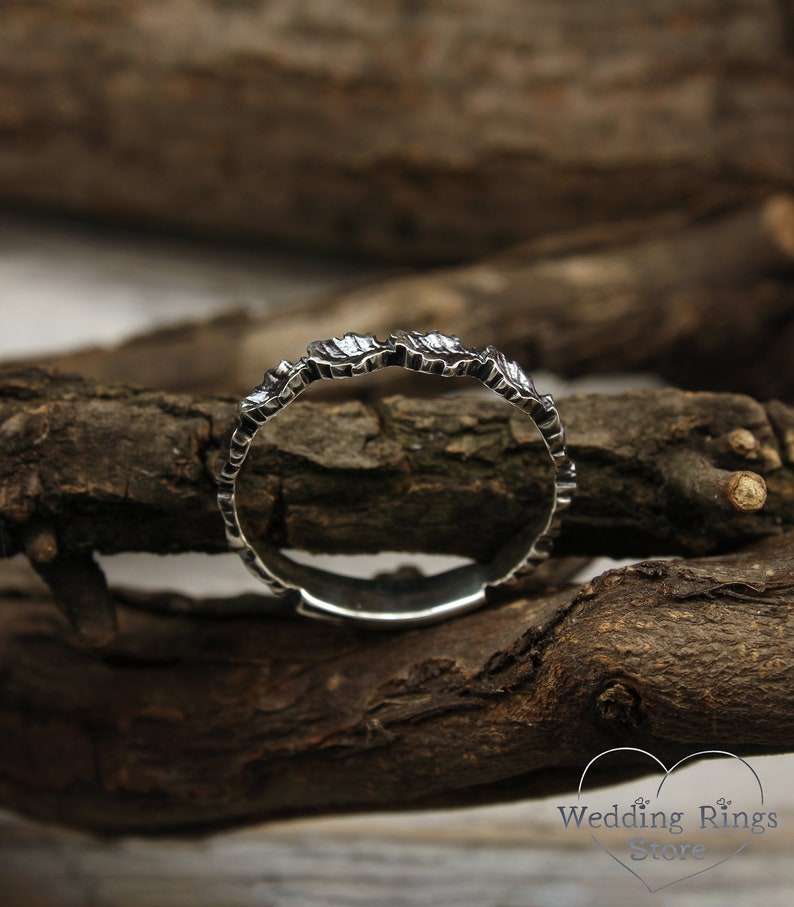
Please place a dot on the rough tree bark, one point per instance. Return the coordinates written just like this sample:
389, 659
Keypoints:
115, 469
389, 128
662, 295
186, 723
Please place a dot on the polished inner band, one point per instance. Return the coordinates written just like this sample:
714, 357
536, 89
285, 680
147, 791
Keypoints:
388, 601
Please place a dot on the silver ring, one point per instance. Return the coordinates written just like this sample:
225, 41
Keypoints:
320, 593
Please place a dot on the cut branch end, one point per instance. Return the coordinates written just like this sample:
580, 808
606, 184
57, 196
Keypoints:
746, 491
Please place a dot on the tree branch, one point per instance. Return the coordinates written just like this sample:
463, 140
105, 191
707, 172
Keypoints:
87, 469
186, 723
404, 135
114, 469
708, 306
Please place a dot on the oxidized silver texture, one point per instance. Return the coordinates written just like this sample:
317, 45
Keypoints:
414, 601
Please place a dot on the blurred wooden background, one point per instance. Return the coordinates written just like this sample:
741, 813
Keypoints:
404, 129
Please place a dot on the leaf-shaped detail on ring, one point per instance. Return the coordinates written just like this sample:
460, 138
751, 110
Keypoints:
512, 372
433, 342
272, 384
278, 375
351, 346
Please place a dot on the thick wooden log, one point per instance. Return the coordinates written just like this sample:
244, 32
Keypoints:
186, 723
708, 306
419, 130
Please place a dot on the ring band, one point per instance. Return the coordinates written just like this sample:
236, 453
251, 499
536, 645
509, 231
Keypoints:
378, 601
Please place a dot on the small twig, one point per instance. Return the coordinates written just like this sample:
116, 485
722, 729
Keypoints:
703, 486
78, 588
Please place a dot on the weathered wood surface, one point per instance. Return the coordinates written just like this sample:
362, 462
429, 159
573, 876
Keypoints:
185, 723
496, 858
708, 306
114, 469
406, 130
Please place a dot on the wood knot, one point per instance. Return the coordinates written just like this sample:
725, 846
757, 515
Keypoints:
619, 702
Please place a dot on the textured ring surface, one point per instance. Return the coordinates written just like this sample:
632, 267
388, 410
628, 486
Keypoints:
388, 601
